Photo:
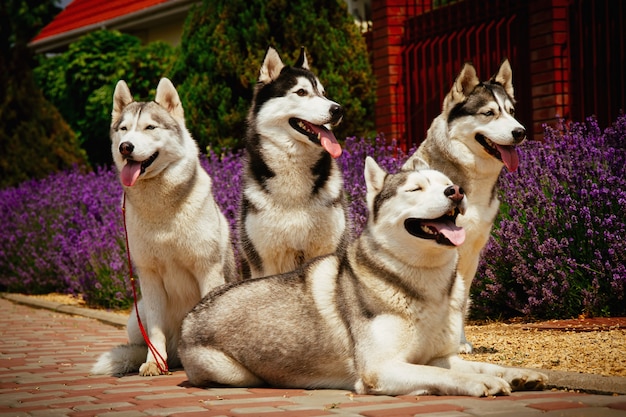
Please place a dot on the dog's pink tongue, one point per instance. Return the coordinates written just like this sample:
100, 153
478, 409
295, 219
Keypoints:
130, 172
330, 144
454, 233
509, 157
328, 140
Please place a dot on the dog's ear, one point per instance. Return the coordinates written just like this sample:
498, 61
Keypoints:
505, 77
464, 84
374, 177
121, 98
272, 65
302, 62
167, 97
415, 163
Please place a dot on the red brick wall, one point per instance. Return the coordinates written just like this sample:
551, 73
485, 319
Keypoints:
549, 62
388, 29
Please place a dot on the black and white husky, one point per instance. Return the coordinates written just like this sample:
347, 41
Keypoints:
471, 141
292, 206
382, 317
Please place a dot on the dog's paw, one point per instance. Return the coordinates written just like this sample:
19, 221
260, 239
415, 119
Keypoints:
149, 369
466, 347
526, 379
480, 385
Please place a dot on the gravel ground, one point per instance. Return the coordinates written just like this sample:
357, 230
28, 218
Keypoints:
595, 352
601, 352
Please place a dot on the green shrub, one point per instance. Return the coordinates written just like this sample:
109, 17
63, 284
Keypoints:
224, 43
80, 82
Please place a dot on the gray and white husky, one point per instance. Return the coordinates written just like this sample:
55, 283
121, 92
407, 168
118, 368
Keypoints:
292, 207
471, 141
382, 317
178, 238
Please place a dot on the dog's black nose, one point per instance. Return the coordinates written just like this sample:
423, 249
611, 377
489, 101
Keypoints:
454, 193
519, 134
126, 148
336, 113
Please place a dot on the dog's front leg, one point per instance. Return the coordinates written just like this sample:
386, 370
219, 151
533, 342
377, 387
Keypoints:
400, 378
153, 309
520, 379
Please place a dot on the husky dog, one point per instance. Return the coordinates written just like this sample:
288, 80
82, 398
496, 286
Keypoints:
382, 317
292, 207
178, 238
470, 142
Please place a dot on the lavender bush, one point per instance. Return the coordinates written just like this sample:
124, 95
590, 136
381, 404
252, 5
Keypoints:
64, 233
557, 249
352, 165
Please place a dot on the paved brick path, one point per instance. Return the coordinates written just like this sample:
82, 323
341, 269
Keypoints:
45, 358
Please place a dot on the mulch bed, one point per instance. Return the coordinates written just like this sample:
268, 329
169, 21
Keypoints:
580, 325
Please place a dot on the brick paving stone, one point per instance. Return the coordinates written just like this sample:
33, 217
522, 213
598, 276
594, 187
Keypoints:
45, 358
617, 405
172, 410
558, 405
413, 410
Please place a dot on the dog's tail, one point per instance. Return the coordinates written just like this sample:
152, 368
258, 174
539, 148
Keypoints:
122, 359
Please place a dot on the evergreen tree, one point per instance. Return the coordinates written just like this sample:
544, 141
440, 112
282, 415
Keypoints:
223, 45
34, 139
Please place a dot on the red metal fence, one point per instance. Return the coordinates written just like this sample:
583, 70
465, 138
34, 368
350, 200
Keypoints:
438, 41
597, 34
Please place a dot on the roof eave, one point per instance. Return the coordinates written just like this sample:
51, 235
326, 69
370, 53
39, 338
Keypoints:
136, 19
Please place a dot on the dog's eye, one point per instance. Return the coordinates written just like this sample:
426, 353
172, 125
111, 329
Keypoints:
418, 188
489, 113
150, 127
302, 92
512, 112
123, 128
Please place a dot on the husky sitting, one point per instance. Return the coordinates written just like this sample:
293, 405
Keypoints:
292, 207
178, 238
382, 317
470, 142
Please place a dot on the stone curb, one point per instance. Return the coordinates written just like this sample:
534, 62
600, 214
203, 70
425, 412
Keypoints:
591, 383
113, 319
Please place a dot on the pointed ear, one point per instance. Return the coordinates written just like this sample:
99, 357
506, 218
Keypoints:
415, 163
121, 98
374, 176
302, 62
167, 97
272, 65
505, 77
465, 83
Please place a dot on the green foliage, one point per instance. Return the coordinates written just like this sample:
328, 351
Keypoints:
81, 81
34, 139
223, 46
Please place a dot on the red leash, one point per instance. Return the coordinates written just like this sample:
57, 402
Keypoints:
162, 364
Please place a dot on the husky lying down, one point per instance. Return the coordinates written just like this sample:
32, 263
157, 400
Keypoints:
384, 317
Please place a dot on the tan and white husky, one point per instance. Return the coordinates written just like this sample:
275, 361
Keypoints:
471, 141
178, 238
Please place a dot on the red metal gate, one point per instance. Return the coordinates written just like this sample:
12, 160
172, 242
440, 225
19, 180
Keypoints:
440, 39
597, 36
